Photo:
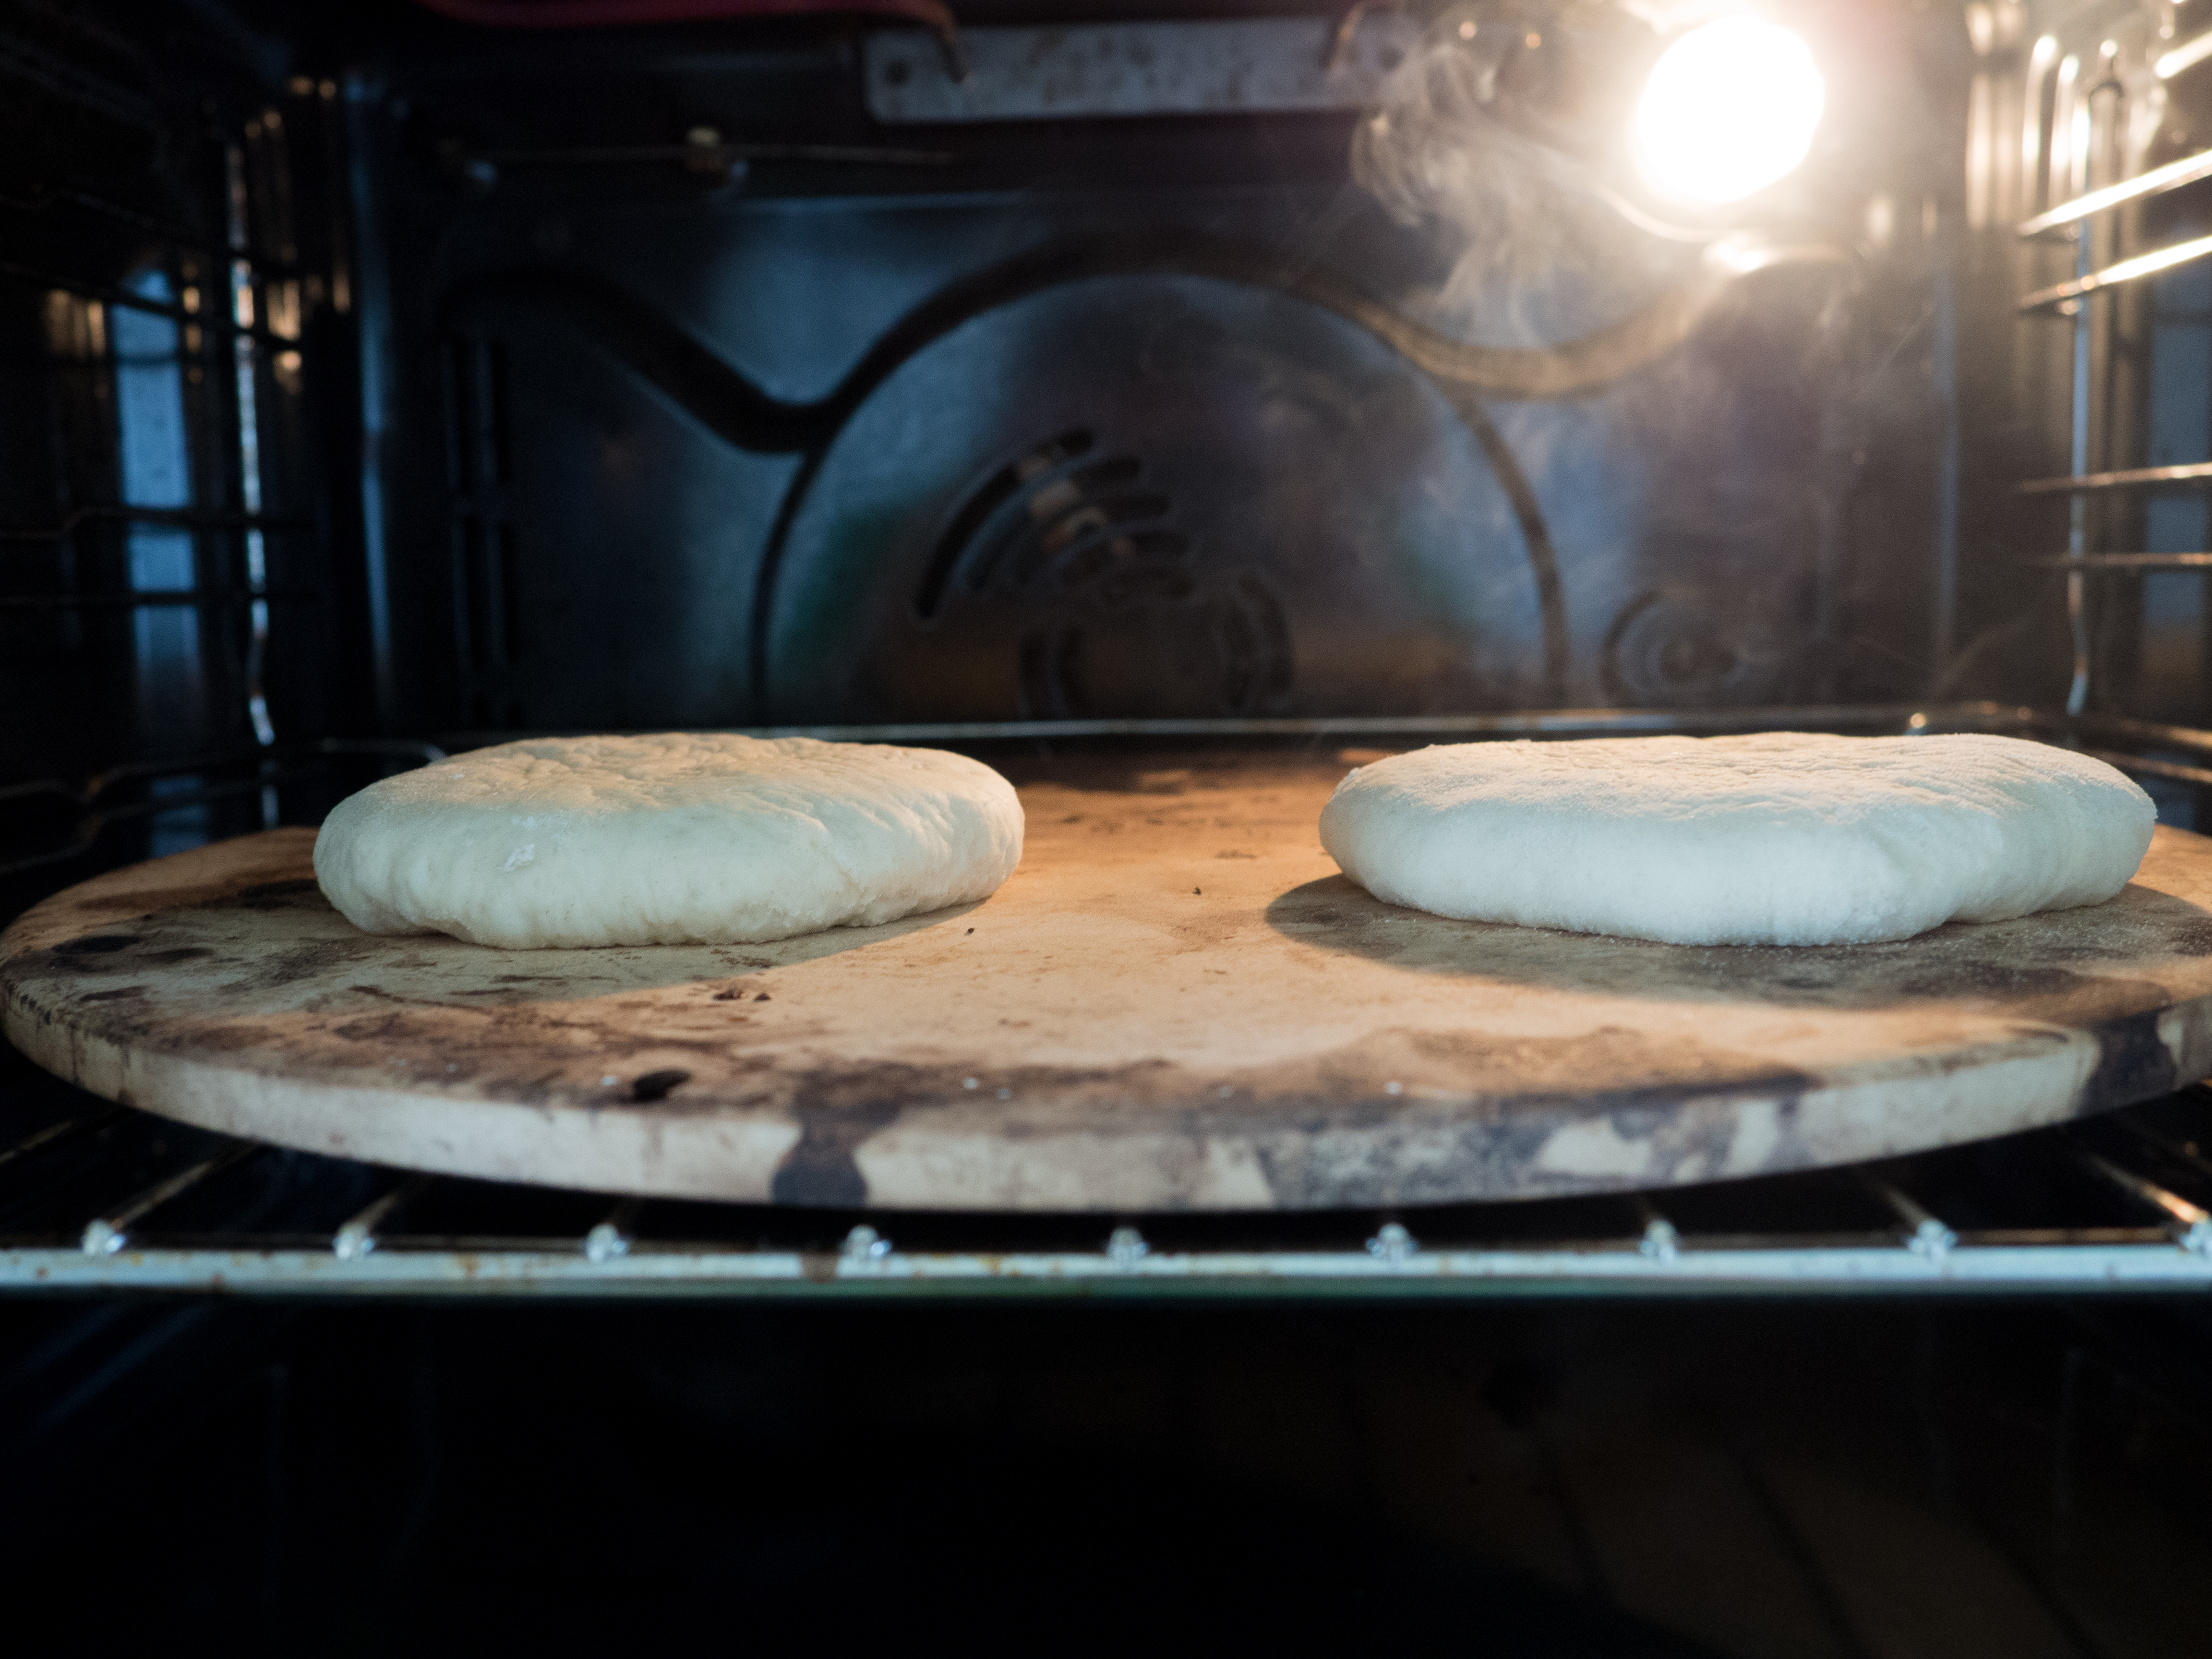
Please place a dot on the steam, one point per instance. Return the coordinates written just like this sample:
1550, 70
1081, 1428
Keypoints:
1697, 502
1542, 248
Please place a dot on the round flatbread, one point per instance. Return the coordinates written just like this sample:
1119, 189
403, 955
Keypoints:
1785, 838
681, 838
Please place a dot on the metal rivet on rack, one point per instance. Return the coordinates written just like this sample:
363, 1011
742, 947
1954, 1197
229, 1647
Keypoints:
356, 1235
1392, 1242
610, 1240
1931, 1236
2191, 1225
105, 1233
1660, 1240
864, 1245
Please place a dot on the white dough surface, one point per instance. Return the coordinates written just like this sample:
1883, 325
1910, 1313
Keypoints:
1782, 838
681, 838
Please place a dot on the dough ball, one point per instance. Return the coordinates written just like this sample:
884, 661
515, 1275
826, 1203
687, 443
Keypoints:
678, 839
1784, 838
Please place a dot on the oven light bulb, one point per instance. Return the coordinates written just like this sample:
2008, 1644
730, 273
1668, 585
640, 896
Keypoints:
1730, 108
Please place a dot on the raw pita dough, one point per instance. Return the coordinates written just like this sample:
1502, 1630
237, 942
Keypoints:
1785, 838
685, 838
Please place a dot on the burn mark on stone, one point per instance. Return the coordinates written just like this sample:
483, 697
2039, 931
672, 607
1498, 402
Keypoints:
837, 1112
273, 895
2191, 939
656, 1085
178, 953
1671, 1107
1979, 978
229, 1039
103, 953
146, 901
2133, 1063
2095, 953
820, 1171
306, 962
385, 1028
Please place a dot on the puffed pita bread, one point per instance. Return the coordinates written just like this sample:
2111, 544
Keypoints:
1784, 838
680, 838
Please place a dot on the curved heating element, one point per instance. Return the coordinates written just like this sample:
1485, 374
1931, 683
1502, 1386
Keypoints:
722, 399
727, 403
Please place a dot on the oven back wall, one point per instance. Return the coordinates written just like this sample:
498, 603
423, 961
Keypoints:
1067, 419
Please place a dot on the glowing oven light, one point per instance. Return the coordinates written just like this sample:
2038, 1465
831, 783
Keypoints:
1730, 108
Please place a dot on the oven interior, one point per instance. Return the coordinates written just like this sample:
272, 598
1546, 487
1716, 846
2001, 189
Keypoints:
388, 379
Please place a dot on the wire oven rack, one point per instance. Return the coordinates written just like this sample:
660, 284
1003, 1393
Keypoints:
109, 1199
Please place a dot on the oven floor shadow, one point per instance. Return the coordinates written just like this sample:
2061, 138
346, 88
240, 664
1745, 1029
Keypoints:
1856, 1480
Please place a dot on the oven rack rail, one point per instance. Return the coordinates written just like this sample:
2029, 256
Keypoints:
2138, 1220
